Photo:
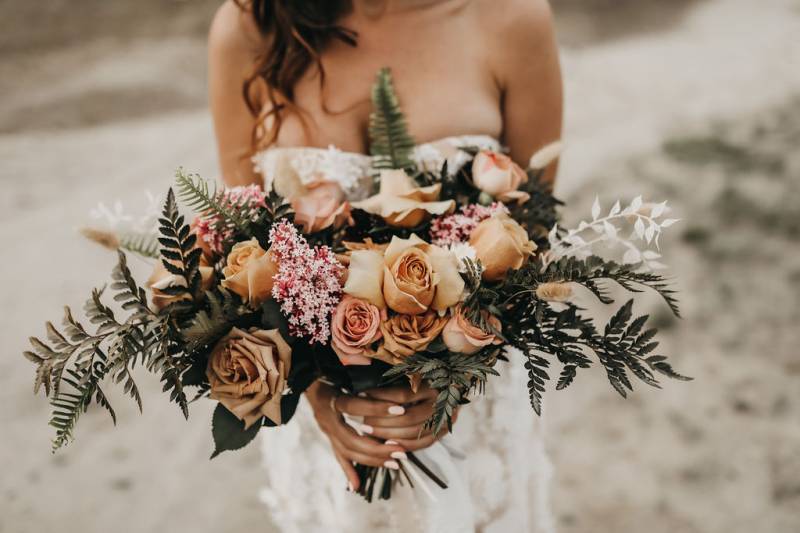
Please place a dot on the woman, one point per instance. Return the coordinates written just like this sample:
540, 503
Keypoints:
288, 79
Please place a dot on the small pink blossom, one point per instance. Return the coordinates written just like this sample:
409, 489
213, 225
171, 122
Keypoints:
457, 228
308, 283
213, 230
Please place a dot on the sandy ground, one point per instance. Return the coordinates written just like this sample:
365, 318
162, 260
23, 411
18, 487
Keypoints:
697, 102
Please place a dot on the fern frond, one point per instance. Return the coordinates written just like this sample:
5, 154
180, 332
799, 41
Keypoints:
201, 197
143, 244
391, 146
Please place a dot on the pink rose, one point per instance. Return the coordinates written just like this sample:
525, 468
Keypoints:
321, 205
462, 336
355, 326
496, 174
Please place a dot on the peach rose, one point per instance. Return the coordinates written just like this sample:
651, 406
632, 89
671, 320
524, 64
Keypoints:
320, 206
161, 279
462, 336
355, 327
404, 335
249, 271
500, 244
496, 174
247, 373
402, 204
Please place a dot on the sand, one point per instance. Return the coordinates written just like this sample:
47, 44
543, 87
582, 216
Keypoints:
697, 102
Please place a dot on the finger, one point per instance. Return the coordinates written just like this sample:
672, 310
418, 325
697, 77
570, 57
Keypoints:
354, 406
413, 445
368, 460
407, 433
401, 395
348, 469
365, 445
414, 416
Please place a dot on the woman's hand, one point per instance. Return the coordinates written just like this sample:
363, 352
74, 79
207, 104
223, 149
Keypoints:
406, 428
348, 446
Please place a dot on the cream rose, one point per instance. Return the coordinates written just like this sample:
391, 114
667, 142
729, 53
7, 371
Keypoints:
355, 327
319, 206
500, 244
402, 204
496, 174
247, 372
462, 336
404, 335
249, 271
162, 279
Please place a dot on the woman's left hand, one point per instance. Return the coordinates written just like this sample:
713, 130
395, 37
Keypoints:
405, 429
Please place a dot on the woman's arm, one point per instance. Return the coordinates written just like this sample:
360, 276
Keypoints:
232, 51
525, 58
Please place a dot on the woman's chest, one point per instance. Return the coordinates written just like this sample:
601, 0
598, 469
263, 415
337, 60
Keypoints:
441, 73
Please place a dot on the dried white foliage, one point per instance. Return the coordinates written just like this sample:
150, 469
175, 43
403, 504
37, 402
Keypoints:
633, 230
116, 218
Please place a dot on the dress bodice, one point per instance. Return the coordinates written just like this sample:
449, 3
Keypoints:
352, 170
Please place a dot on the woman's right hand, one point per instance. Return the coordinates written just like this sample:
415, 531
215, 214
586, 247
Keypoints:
348, 446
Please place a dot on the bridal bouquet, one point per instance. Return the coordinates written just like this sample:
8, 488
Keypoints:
433, 279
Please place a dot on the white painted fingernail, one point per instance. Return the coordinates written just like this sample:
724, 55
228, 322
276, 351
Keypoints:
366, 429
362, 394
392, 465
350, 487
391, 443
397, 410
399, 455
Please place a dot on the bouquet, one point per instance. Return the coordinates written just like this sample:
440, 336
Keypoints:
434, 278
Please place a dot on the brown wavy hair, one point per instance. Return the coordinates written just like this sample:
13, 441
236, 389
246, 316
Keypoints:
297, 32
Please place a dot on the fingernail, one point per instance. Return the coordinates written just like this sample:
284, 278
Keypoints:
399, 455
362, 394
397, 410
392, 465
391, 443
350, 487
366, 429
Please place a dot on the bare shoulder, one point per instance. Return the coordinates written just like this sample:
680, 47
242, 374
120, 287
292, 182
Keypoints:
519, 17
233, 31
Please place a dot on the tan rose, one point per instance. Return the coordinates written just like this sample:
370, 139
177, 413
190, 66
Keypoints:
418, 275
496, 174
247, 373
319, 206
554, 291
500, 244
249, 271
355, 327
161, 279
404, 335
462, 336
402, 204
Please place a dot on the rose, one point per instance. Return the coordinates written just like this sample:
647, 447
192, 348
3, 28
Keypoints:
247, 373
161, 279
496, 174
500, 244
319, 206
462, 336
355, 327
403, 204
249, 271
404, 335
409, 276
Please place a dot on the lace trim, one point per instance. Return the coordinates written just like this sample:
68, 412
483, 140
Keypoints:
352, 170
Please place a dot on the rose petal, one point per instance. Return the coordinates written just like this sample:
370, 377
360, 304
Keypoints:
365, 277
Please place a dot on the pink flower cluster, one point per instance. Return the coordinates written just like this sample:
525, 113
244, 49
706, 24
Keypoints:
456, 228
212, 230
307, 284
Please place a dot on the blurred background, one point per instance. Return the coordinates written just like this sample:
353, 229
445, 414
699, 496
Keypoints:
694, 101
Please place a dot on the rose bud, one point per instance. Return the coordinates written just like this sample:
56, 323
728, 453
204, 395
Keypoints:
500, 244
462, 336
496, 174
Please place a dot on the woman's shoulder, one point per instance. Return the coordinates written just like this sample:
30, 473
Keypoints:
234, 31
514, 20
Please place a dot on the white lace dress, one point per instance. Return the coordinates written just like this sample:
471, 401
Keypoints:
494, 463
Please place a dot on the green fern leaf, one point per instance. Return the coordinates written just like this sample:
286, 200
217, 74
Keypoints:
391, 145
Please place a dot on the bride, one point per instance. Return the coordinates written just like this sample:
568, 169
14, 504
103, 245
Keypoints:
290, 88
